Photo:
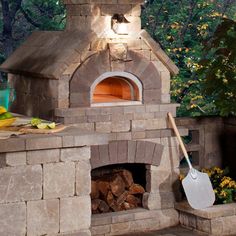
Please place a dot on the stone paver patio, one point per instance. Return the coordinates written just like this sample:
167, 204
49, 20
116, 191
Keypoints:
173, 231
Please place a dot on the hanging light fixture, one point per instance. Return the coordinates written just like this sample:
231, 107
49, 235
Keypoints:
119, 24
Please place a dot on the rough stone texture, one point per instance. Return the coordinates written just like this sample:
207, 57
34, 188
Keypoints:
43, 156
125, 151
13, 219
75, 154
15, 158
59, 180
217, 220
158, 200
83, 178
42, 217
20, 183
133, 221
75, 214
43, 142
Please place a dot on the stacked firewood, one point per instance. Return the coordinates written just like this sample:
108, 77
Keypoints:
115, 192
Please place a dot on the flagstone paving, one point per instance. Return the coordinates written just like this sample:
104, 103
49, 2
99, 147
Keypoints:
173, 231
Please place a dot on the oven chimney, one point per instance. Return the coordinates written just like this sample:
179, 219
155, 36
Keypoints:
98, 16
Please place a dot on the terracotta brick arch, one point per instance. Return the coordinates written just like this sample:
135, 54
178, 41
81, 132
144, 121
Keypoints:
118, 152
100, 63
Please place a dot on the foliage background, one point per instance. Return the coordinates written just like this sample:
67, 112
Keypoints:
182, 27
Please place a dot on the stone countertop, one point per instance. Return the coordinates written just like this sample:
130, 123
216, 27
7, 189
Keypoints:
69, 137
209, 213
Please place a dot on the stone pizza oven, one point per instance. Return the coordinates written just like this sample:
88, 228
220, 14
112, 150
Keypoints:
105, 82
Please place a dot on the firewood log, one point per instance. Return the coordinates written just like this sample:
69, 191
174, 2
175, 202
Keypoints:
117, 185
128, 206
133, 200
136, 189
121, 199
110, 198
127, 177
95, 204
103, 188
94, 190
103, 207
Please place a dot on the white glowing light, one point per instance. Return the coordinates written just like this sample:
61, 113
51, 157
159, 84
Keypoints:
120, 28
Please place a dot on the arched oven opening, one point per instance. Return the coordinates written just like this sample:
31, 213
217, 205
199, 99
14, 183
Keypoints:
116, 90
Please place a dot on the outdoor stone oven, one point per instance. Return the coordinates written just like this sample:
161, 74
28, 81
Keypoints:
106, 84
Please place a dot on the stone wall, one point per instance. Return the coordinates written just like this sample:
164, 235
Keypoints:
46, 182
217, 220
206, 136
41, 194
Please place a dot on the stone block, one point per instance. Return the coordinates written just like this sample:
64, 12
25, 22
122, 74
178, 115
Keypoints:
152, 96
99, 118
152, 108
134, 109
153, 133
145, 225
134, 44
158, 200
117, 66
228, 225
122, 117
59, 180
122, 151
159, 123
165, 98
103, 127
123, 136
75, 154
120, 126
143, 116
95, 157
149, 152
13, 219
85, 127
203, 225
113, 151
15, 158
68, 141
157, 154
138, 135
120, 228
131, 151
91, 139
80, 233
75, 214
12, 145
42, 217
120, 218
217, 227
43, 142
83, 178
138, 125
99, 219
111, 9
165, 81
20, 183
103, 154
43, 156
136, 10
140, 152
101, 230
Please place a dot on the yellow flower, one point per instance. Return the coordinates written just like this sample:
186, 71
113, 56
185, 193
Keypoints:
225, 181
223, 193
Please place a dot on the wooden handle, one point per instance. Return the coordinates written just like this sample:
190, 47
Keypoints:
179, 139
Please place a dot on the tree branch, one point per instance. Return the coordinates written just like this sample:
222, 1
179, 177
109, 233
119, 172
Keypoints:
29, 19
